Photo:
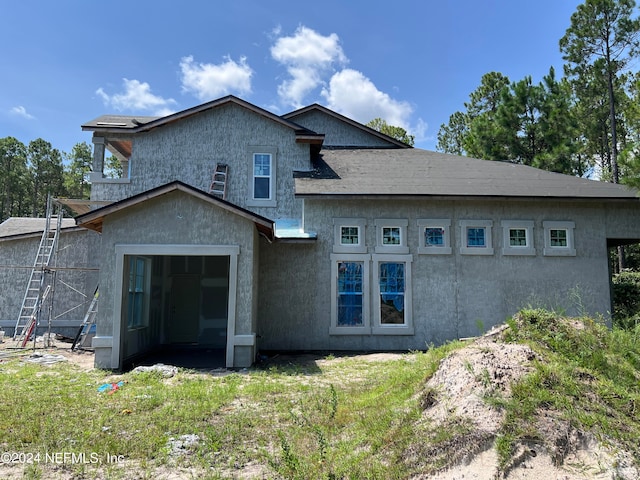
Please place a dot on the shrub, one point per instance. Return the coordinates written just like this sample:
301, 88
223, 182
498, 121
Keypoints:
626, 299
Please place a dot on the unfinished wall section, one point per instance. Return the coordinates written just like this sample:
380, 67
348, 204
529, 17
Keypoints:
175, 222
74, 285
454, 295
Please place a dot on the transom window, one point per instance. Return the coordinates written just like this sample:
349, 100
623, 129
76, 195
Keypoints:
476, 237
434, 236
559, 238
349, 235
391, 236
517, 237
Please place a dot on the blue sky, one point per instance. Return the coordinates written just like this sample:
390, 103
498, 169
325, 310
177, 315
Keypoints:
412, 63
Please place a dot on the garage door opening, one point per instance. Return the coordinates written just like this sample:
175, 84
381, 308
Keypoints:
175, 310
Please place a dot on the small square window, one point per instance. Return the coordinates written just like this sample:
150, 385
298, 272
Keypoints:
349, 235
391, 235
518, 237
476, 237
558, 238
434, 236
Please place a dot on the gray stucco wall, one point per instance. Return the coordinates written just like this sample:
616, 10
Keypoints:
452, 294
77, 251
188, 150
176, 219
338, 133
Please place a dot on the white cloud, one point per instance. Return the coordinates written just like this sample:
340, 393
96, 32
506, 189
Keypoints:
208, 81
137, 96
307, 55
355, 96
21, 112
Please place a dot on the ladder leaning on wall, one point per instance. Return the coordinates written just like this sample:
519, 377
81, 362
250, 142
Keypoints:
87, 324
39, 284
219, 181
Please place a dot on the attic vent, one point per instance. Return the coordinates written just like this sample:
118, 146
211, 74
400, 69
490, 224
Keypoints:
111, 124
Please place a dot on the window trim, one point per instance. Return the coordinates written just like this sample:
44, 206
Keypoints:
338, 224
262, 202
445, 225
365, 328
383, 223
389, 329
527, 226
556, 251
487, 249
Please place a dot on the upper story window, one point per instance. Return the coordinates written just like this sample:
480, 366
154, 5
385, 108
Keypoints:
349, 235
475, 237
558, 238
262, 181
391, 235
261, 176
435, 236
517, 237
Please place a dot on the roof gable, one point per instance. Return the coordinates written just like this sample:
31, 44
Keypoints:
94, 219
120, 124
299, 116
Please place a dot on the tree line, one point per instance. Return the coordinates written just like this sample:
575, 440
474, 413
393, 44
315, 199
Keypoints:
28, 173
587, 122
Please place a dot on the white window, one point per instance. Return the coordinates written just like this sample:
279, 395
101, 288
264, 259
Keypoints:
475, 237
262, 180
138, 291
517, 237
391, 236
392, 295
349, 235
435, 237
558, 238
350, 297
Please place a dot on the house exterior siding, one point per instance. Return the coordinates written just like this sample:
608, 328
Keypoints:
188, 151
454, 295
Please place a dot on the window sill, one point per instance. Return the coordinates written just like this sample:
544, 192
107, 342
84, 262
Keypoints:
349, 330
251, 202
392, 330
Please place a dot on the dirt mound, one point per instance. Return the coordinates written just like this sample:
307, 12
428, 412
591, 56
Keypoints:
463, 424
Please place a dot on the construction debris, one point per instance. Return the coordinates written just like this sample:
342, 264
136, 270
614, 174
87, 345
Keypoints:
167, 371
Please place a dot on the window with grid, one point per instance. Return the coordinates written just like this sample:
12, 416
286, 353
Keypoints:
262, 176
350, 294
391, 236
558, 237
138, 275
391, 277
518, 237
476, 237
349, 235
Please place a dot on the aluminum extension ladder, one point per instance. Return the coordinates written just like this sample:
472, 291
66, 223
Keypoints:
219, 181
37, 285
87, 324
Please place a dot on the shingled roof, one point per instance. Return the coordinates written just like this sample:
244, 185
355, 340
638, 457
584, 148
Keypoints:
416, 172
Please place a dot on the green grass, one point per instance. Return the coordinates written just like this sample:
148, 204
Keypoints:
344, 418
